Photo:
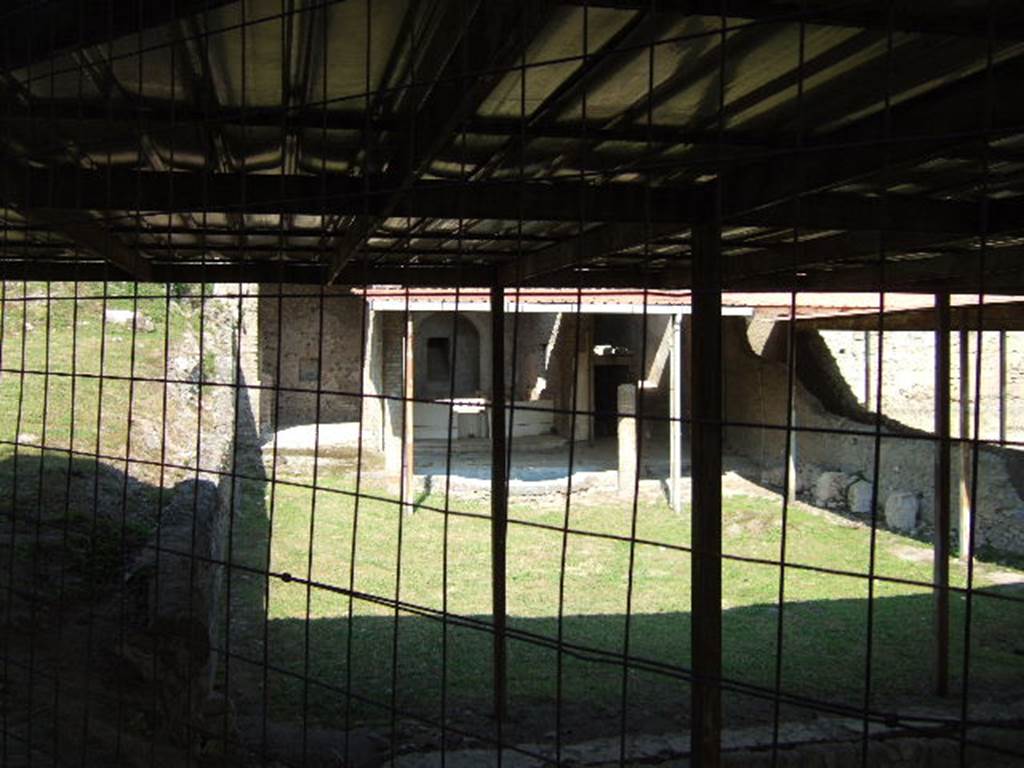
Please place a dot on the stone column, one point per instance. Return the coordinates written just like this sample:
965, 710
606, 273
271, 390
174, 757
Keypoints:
393, 385
627, 440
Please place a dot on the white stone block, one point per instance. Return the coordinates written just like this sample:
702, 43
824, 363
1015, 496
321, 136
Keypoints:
627, 440
126, 316
901, 511
123, 316
858, 497
830, 489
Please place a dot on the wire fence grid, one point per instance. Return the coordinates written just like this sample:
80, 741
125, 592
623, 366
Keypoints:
544, 383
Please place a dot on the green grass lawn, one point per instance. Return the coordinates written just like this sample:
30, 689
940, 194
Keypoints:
59, 329
825, 615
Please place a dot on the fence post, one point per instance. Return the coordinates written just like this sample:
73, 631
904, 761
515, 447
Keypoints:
942, 489
706, 501
964, 526
499, 500
675, 460
409, 418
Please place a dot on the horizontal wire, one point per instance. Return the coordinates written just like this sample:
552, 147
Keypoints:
579, 651
584, 533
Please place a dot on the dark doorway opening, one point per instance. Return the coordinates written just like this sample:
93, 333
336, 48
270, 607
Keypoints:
438, 359
607, 379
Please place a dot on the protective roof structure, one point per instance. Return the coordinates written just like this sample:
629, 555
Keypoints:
851, 146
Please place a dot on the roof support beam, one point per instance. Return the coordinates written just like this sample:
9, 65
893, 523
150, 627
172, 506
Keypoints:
1004, 276
998, 316
262, 272
595, 66
953, 272
881, 143
937, 121
85, 232
576, 251
41, 30
78, 226
69, 188
843, 250
492, 39
908, 15
156, 120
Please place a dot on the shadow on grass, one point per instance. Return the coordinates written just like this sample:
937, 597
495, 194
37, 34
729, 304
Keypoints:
429, 670
424, 668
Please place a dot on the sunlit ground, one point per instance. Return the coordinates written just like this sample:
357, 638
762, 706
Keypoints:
433, 562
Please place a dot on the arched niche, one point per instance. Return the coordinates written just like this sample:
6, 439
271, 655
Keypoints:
444, 340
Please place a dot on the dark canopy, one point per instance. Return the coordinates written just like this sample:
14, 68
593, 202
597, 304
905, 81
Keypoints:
845, 145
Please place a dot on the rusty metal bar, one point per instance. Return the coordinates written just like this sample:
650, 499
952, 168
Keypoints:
409, 417
499, 497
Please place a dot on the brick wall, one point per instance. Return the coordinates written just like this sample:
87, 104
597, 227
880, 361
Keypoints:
301, 351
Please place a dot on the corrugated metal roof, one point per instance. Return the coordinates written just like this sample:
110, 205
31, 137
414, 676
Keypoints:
351, 105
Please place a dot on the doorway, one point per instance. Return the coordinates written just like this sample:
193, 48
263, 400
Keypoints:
607, 379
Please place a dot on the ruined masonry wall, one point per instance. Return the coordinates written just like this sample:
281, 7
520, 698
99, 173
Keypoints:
301, 352
755, 394
908, 387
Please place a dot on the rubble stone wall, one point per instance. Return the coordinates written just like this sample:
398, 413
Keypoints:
756, 395
307, 357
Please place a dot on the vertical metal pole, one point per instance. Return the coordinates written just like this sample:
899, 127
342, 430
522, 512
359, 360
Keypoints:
942, 489
1002, 387
706, 462
499, 500
791, 483
675, 443
965, 448
409, 418
867, 370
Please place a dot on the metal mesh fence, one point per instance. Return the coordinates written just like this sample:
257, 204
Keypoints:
543, 383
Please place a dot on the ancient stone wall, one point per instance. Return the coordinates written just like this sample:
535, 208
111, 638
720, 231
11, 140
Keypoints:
564, 367
539, 339
756, 395
165, 657
908, 376
655, 373
305, 353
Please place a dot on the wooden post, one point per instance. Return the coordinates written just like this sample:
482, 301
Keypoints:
675, 441
791, 483
942, 490
706, 499
409, 420
867, 370
965, 448
1002, 387
685, 381
499, 500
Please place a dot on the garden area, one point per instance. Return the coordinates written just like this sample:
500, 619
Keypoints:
437, 565
377, 618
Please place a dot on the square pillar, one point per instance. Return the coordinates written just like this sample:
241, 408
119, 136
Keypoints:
626, 407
